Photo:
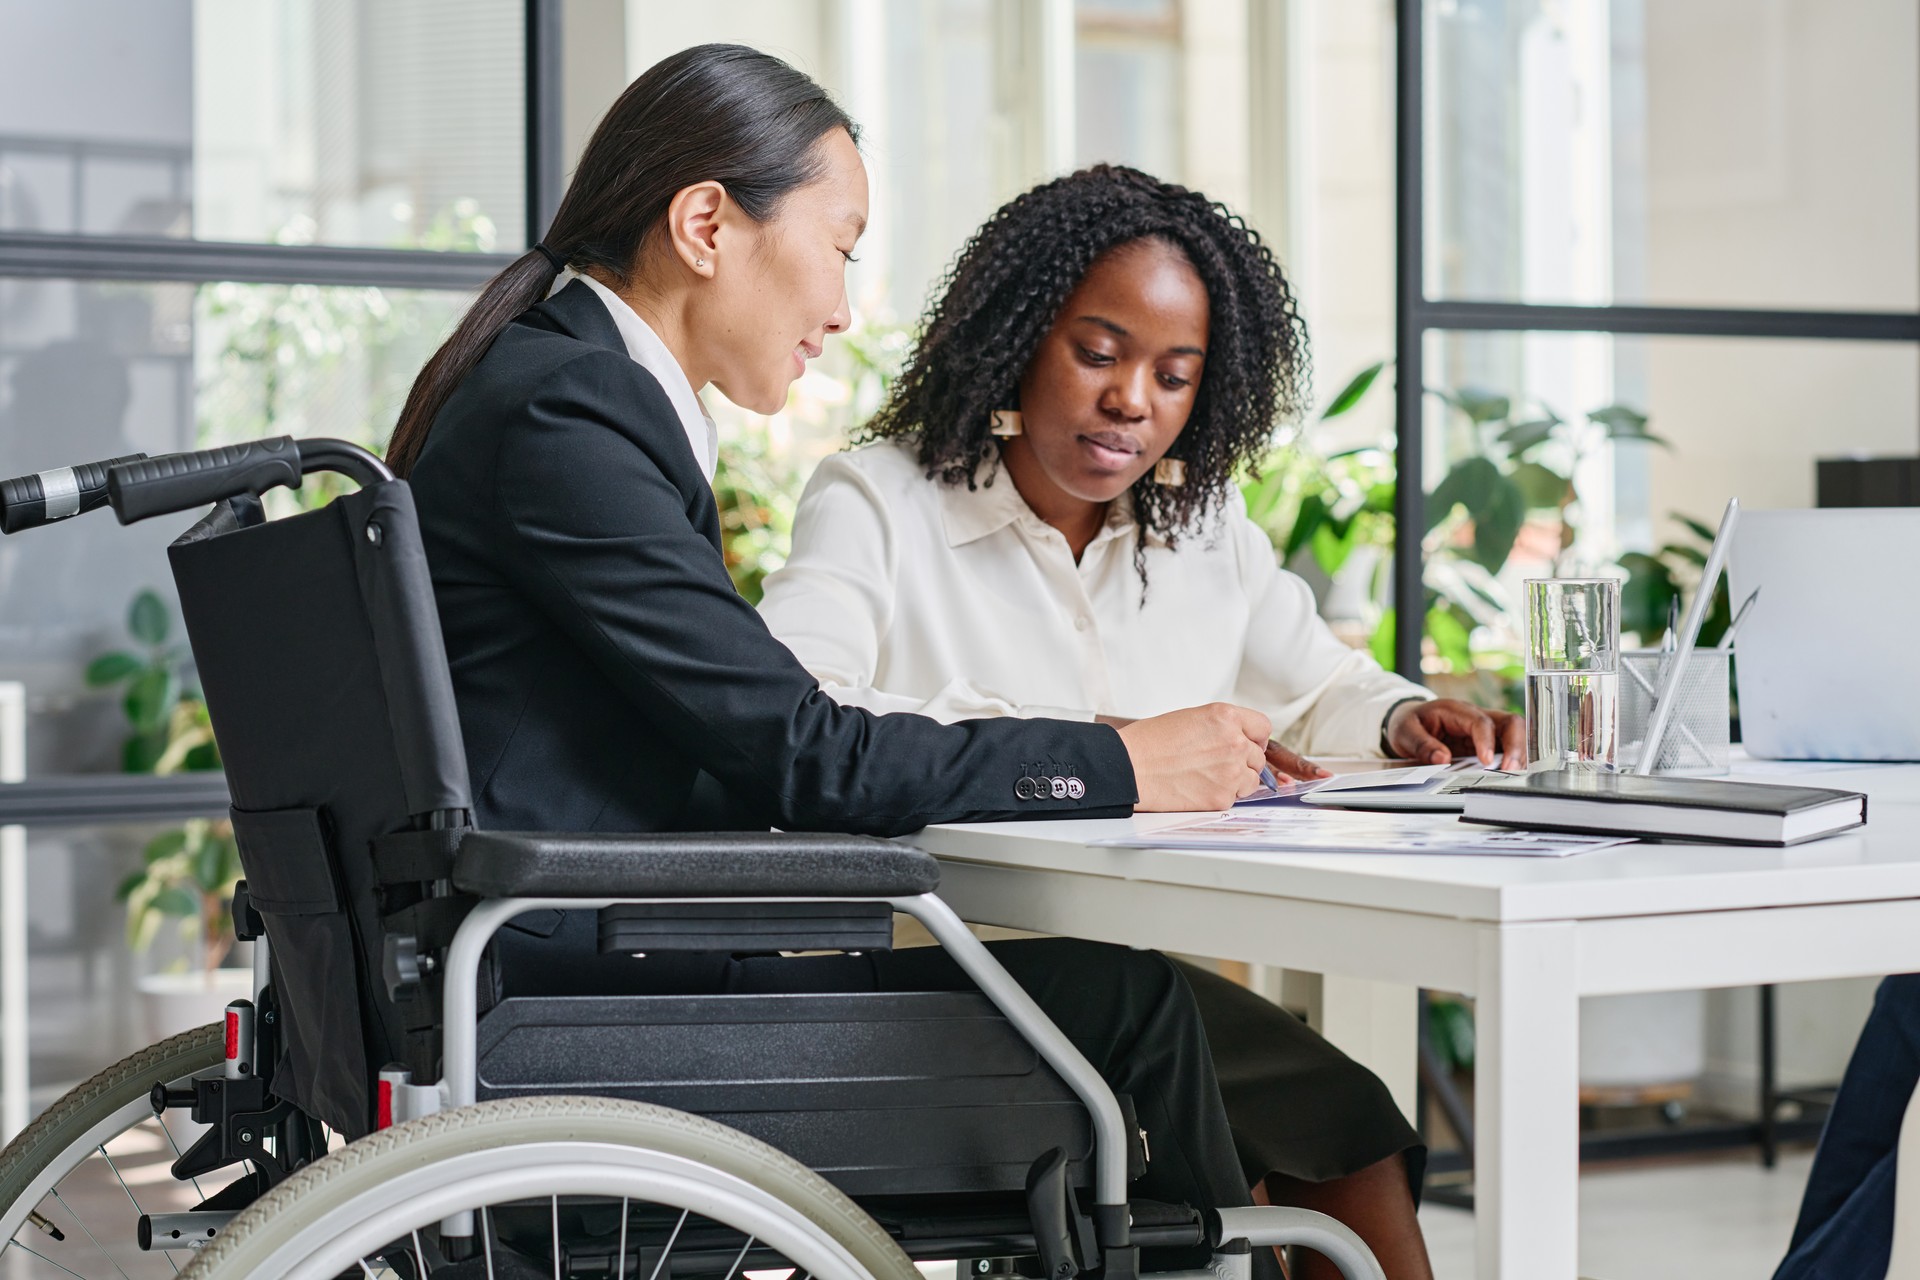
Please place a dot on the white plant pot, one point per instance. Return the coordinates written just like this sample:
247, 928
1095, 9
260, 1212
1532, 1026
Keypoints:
1630, 1041
174, 1002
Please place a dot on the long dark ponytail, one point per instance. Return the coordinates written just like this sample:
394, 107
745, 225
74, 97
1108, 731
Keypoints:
714, 113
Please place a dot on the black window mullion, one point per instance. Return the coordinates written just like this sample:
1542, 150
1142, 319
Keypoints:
1409, 499
545, 133
197, 262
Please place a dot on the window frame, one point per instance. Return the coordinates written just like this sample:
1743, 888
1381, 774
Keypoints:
1416, 315
156, 259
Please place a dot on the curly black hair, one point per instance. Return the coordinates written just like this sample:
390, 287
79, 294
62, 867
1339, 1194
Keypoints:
1010, 280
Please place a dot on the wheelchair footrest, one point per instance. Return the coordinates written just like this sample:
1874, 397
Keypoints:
881, 1092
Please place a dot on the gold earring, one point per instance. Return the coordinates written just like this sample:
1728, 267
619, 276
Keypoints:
1170, 472
1006, 423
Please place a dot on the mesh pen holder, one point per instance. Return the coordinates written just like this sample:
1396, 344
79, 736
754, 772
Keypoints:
1697, 739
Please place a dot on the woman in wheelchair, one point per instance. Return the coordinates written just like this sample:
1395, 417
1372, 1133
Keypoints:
504, 747
1045, 523
609, 677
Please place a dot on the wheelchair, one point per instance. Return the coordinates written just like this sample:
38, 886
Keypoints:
387, 1105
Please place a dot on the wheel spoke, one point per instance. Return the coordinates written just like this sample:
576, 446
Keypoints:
89, 1230
162, 1122
556, 1238
102, 1149
666, 1252
486, 1239
742, 1257
622, 1273
420, 1255
44, 1258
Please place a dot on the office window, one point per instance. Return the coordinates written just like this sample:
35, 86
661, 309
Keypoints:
1127, 84
1741, 417
100, 368
1751, 153
336, 122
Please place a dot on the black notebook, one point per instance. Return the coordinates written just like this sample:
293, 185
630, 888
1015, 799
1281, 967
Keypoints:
1670, 808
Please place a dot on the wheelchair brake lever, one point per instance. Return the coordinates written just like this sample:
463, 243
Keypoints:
1050, 1208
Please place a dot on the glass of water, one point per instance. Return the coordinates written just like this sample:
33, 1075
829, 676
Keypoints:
1573, 672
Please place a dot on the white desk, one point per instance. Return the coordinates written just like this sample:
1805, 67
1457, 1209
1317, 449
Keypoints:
1528, 937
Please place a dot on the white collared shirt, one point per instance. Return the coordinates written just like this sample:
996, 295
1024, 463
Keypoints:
651, 354
906, 594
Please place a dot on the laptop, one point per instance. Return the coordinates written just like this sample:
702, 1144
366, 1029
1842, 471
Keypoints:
1828, 662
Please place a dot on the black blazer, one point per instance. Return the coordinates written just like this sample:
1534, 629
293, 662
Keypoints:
608, 675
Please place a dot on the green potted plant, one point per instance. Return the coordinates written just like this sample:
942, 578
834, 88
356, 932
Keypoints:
188, 876
188, 873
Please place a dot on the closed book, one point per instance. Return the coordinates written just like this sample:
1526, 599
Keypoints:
1662, 808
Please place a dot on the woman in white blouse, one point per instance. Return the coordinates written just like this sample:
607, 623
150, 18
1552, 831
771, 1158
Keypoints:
1044, 523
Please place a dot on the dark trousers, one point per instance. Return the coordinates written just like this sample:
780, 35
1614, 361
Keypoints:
1130, 1012
1845, 1229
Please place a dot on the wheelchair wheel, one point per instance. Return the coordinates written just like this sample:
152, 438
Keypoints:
66, 1180
555, 1186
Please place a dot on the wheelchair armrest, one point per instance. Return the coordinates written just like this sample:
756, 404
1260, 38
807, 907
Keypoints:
735, 864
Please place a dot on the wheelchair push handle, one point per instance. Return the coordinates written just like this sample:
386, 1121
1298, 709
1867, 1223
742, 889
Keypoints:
184, 481
29, 501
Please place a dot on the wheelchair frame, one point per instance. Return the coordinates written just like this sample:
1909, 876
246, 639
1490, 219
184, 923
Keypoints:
139, 488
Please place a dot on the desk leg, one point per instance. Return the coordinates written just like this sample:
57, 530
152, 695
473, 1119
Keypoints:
1377, 1024
1526, 1105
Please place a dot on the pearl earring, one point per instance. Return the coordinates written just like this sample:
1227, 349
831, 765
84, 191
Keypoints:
1006, 423
699, 262
1170, 472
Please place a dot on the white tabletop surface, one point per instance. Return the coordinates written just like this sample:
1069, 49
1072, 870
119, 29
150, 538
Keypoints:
1877, 862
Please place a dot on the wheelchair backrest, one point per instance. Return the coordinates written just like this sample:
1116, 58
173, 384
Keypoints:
320, 653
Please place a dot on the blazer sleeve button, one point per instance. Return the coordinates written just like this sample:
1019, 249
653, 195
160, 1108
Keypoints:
1076, 789
1060, 789
1024, 789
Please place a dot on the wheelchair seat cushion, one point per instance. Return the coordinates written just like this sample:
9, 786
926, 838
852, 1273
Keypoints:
496, 864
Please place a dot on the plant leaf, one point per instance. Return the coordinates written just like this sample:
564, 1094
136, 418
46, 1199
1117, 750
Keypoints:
111, 668
1618, 419
149, 701
1350, 394
1482, 406
1644, 595
149, 619
203, 757
1523, 437
1700, 531
1312, 514
1332, 543
143, 751
1380, 644
1497, 525
1541, 486
176, 900
126, 887
166, 845
210, 865
1470, 484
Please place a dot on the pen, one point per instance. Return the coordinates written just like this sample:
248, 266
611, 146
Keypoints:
1267, 779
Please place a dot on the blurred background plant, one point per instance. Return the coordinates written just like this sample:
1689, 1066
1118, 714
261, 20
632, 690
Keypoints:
1509, 491
166, 716
764, 461
189, 875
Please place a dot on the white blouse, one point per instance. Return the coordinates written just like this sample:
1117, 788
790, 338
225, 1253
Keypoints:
905, 594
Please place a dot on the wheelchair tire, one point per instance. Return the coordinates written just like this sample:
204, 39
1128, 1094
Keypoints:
334, 1213
91, 1114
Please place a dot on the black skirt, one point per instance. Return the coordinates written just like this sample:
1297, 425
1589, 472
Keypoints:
1297, 1105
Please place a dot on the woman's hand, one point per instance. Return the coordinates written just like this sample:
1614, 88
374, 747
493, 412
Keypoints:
1437, 731
1201, 758
1290, 766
